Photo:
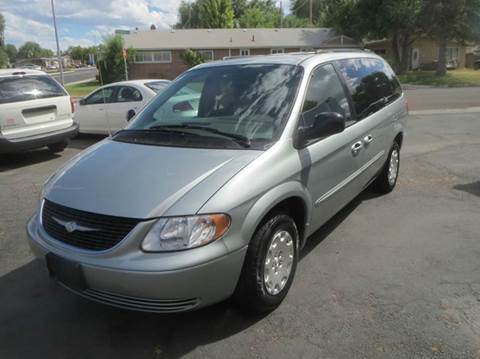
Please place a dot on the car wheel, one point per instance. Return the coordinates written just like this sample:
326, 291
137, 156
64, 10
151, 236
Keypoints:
386, 181
57, 146
269, 266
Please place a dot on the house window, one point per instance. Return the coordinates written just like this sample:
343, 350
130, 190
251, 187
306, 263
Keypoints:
244, 52
452, 53
153, 57
306, 49
207, 55
277, 51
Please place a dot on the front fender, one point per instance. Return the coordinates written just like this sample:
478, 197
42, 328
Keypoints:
269, 200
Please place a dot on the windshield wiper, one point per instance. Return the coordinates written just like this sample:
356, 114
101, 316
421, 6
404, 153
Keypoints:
241, 140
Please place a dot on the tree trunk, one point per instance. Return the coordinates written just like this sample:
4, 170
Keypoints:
405, 44
442, 56
397, 58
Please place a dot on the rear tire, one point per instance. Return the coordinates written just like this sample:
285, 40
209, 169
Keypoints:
58, 146
269, 266
387, 179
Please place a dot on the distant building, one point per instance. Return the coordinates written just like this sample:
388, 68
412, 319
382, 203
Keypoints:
158, 52
423, 54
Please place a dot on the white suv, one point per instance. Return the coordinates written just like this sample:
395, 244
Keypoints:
35, 111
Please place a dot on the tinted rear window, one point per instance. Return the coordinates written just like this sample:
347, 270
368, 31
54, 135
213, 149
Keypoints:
25, 88
371, 82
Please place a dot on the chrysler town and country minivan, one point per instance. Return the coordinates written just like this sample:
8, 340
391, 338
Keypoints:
193, 203
35, 111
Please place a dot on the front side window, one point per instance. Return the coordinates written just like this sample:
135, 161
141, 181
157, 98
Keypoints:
325, 93
30, 87
128, 94
100, 96
371, 82
233, 106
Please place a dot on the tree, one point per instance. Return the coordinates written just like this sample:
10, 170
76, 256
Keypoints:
30, 50
11, 51
261, 13
215, 14
191, 58
188, 15
3, 58
239, 7
294, 21
447, 20
396, 20
110, 62
301, 9
2, 31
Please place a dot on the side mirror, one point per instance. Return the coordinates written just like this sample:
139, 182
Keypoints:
324, 124
130, 114
81, 102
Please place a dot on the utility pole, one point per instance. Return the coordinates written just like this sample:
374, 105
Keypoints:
59, 57
281, 13
311, 12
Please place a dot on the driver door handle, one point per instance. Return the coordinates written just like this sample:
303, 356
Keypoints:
356, 147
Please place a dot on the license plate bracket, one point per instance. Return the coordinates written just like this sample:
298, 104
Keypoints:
65, 271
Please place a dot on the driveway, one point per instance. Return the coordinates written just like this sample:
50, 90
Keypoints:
394, 276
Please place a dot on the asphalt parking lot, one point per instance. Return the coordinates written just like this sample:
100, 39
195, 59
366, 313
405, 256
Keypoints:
396, 276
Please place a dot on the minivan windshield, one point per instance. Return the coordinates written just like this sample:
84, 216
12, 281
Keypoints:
232, 106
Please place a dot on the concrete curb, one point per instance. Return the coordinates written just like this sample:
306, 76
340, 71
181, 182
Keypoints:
446, 111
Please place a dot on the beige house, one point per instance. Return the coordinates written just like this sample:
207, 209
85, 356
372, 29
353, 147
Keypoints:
158, 53
423, 54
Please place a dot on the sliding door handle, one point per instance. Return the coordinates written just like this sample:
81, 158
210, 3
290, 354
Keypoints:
367, 139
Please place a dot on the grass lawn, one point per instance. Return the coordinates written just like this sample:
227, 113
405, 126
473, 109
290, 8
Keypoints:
82, 89
454, 78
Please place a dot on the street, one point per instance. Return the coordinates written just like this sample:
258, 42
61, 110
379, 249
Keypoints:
81, 74
393, 276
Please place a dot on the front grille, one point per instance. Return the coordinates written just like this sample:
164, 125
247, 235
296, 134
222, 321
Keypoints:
141, 304
109, 230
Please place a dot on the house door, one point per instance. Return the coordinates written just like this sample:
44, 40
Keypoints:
415, 58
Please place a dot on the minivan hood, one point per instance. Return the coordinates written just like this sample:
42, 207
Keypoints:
144, 181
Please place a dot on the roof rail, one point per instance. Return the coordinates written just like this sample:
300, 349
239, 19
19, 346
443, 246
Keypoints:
341, 49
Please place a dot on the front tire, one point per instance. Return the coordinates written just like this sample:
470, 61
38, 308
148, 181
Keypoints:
269, 266
58, 146
386, 181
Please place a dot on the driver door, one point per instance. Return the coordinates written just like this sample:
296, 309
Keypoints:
329, 164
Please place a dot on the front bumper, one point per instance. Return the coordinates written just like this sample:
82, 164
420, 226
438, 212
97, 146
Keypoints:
37, 141
192, 286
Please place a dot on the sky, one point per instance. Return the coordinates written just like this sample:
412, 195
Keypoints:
83, 22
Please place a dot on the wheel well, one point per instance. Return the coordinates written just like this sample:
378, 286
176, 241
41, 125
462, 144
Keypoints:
399, 139
295, 207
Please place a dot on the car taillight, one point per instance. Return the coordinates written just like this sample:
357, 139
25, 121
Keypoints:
72, 104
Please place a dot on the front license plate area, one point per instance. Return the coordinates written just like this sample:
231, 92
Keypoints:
66, 271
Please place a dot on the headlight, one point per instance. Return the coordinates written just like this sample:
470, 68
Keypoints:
177, 233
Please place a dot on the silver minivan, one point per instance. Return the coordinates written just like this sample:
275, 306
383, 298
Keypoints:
213, 189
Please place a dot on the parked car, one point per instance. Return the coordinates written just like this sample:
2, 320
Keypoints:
31, 67
109, 108
173, 214
35, 111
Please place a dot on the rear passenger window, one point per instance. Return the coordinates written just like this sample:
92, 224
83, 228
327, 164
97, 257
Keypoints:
325, 93
371, 82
